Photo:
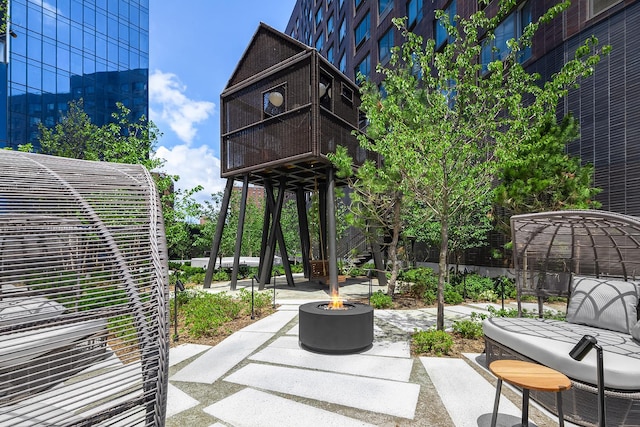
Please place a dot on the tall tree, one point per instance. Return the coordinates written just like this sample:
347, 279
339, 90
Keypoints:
377, 204
181, 212
446, 120
73, 136
542, 176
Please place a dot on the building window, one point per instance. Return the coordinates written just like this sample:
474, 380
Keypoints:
525, 19
414, 12
343, 31
363, 70
362, 30
318, 18
340, 5
384, 46
329, 25
357, 3
384, 6
274, 101
343, 64
320, 42
330, 54
598, 6
441, 31
510, 28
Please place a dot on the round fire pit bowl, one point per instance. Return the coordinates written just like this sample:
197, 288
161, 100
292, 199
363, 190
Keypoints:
341, 331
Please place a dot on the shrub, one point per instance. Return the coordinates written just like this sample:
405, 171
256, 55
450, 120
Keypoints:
451, 296
487, 295
261, 300
509, 287
221, 276
296, 268
472, 285
207, 312
429, 297
196, 278
381, 300
423, 283
432, 341
468, 328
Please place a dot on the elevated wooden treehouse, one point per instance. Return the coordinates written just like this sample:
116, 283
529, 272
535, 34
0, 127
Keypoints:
283, 110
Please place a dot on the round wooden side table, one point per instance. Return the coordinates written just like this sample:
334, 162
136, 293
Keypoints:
528, 376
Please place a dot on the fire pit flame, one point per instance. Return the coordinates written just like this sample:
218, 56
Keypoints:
336, 302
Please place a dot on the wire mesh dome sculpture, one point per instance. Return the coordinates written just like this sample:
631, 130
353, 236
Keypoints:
550, 246
83, 293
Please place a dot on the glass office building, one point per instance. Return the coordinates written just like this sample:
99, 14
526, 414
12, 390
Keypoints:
62, 50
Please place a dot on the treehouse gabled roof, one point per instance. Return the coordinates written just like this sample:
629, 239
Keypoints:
267, 48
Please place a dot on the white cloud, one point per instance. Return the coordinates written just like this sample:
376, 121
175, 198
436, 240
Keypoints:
195, 166
171, 105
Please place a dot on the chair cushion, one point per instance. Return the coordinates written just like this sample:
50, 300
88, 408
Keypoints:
549, 342
603, 303
635, 331
15, 310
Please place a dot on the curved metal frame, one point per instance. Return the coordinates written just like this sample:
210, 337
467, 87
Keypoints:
84, 242
550, 246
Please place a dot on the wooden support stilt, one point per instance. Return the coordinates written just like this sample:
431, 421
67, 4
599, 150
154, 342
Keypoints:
238, 246
217, 237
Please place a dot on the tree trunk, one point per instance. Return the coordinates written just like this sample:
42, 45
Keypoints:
393, 247
442, 267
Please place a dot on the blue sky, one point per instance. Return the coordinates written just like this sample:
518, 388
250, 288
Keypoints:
194, 46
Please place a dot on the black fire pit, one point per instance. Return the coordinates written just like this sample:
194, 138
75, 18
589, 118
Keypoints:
336, 331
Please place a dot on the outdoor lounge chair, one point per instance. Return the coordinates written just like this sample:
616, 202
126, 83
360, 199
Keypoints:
83, 293
606, 307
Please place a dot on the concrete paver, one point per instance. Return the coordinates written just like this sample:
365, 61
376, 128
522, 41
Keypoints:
220, 359
233, 410
370, 394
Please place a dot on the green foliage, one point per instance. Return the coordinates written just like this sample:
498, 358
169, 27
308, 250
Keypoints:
435, 342
429, 296
381, 300
505, 312
261, 300
221, 276
542, 176
472, 285
487, 295
513, 312
423, 283
121, 140
451, 296
376, 204
207, 312
468, 328
181, 211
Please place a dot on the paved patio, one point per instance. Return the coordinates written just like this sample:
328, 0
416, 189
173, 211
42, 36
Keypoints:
259, 376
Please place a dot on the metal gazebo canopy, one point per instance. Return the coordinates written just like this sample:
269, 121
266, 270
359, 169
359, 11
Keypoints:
550, 246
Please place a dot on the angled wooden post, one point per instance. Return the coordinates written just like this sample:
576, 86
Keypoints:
215, 245
271, 243
238, 246
305, 241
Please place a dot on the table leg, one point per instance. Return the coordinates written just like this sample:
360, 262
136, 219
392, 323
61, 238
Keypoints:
525, 407
559, 406
494, 416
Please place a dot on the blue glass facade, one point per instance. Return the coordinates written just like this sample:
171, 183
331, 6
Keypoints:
63, 50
